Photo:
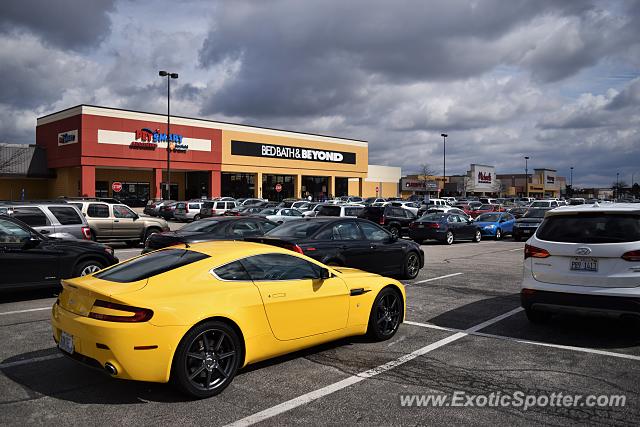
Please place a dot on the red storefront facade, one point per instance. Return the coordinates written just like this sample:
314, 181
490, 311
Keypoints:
92, 147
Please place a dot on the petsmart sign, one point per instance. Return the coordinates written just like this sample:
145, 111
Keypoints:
256, 149
68, 137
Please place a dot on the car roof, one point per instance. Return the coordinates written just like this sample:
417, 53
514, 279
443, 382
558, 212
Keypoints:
597, 207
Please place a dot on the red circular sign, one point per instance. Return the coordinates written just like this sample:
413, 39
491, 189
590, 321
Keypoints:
116, 187
278, 188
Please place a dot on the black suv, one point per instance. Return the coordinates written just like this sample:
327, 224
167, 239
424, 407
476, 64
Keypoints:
29, 259
394, 219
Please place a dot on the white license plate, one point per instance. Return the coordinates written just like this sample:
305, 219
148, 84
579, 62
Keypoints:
584, 264
66, 342
526, 231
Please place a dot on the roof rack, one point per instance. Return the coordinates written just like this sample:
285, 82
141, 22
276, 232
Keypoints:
33, 202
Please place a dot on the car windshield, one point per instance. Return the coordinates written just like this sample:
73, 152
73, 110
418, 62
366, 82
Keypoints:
436, 217
590, 228
269, 211
200, 225
296, 229
150, 265
534, 213
486, 207
540, 204
488, 218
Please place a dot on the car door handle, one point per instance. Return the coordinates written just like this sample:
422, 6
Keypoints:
279, 295
116, 220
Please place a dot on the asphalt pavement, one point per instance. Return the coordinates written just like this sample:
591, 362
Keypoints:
464, 335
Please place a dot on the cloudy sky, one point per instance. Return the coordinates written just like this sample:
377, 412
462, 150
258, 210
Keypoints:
558, 81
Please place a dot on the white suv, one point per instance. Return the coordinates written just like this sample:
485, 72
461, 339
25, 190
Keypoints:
584, 259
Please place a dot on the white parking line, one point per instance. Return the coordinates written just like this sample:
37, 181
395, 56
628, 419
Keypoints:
27, 361
523, 341
25, 311
332, 388
516, 249
433, 278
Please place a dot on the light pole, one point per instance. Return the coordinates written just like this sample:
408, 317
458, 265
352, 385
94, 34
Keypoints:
444, 160
169, 76
571, 181
617, 185
526, 173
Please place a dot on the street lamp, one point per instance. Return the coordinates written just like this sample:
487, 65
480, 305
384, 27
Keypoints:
444, 160
617, 185
571, 179
526, 173
169, 76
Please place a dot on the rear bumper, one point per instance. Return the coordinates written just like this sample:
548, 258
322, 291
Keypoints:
560, 302
426, 233
98, 342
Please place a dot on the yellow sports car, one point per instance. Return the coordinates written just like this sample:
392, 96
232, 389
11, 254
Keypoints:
196, 314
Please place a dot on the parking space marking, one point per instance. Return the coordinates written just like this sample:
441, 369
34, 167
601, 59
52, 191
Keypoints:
524, 341
25, 311
516, 249
433, 278
354, 379
27, 361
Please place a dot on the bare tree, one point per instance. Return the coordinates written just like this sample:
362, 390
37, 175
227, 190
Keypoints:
425, 173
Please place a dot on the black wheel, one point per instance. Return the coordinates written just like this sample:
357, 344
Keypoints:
411, 265
207, 359
498, 234
478, 237
395, 231
536, 316
197, 217
449, 238
386, 315
149, 232
87, 267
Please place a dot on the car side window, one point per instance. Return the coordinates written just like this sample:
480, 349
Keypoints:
120, 211
98, 210
345, 231
245, 228
32, 216
194, 206
373, 232
280, 267
66, 215
268, 226
232, 271
12, 234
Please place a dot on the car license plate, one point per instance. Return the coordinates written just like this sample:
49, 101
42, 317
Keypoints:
66, 342
526, 231
584, 264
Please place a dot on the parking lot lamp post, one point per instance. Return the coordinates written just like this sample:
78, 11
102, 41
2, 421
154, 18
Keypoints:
444, 160
526, 173
617, 193
571, 180
169, 76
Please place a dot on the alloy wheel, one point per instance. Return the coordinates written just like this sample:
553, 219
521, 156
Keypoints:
394, 232
449, 238
388, 314
413, 265
210, 359
89, 269
478, 236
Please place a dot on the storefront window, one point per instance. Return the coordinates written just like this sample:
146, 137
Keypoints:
238, 185
102, 189
316, 187
342, 187
134, 194
269, 183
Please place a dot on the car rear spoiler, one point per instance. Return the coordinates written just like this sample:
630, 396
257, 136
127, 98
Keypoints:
285, 244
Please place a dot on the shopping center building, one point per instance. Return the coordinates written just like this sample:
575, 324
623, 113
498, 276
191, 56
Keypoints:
88, 148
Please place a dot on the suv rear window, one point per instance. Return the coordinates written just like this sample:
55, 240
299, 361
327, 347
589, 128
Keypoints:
329, 211
32, 216
590, 228
66, 215
150, 265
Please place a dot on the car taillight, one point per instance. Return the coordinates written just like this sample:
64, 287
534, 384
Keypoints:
382, 220
631, 256
137, 314
433, 225
294, 248
86, 233
186, 209
533, 252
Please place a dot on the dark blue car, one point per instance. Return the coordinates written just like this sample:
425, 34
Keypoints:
495, 224
444, 227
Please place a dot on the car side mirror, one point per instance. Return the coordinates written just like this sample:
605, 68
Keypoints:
136, 216
392, 239
325, 274
31, 242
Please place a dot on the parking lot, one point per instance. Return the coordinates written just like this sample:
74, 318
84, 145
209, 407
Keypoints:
464, 332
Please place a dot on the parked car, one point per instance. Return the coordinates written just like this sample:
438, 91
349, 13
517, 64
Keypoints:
244, 211
188, 211
250, 202
517, 212
280, 215
527, 224
30, 259
410, 206
496, 225
445, 228
447, 209
489, 201
313, 212
216, 207
486, 208
167, 210
221, 280
110, 222
348, 200
340, 210
468, 207
584, 259
394, 219
350, 242
59, 220
153, 206
216, 228
577, 201
371, 200
544, 204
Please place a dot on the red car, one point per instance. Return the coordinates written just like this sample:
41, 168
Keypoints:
468, 208
485, 209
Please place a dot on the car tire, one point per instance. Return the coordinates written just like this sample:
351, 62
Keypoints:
87, 267
498, 234
395, 231
411, 266
149, 232
197, 217
208, 349
536, 316
385, 316
449, 238
478, 237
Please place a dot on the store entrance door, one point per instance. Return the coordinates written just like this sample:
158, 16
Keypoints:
342, 187
315, 186
269, 183
197, 185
